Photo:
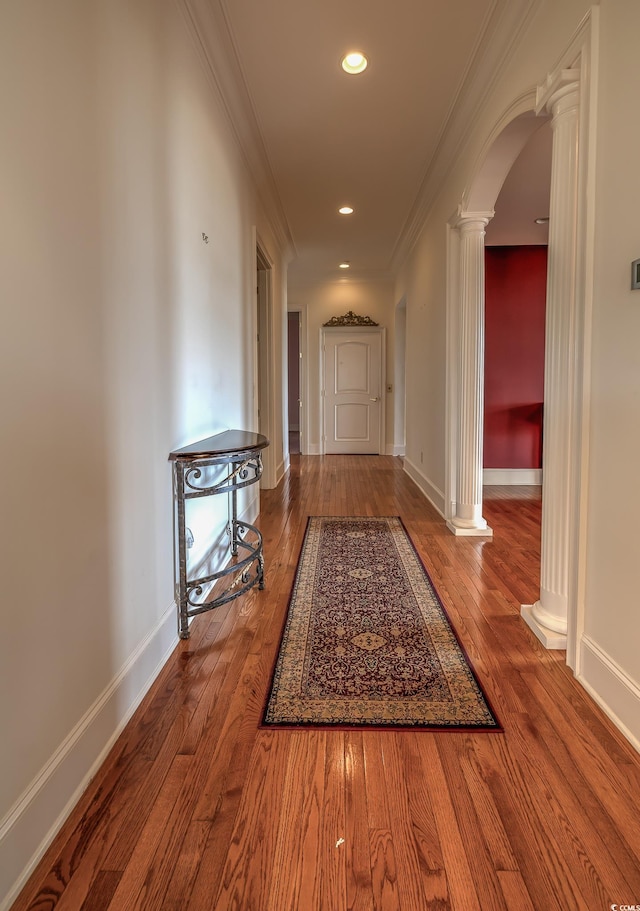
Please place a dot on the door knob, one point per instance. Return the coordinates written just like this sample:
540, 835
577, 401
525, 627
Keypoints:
374, 400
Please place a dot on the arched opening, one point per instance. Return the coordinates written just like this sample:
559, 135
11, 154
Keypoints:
516, 242
565, 97
465, 318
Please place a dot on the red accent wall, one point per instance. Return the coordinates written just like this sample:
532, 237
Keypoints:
293, 361
515, 298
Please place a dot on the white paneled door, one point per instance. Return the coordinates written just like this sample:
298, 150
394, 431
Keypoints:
353, 390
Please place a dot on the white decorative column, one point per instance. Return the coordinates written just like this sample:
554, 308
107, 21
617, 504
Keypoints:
468, 518
548, 616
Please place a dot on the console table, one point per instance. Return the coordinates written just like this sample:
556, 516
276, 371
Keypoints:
238, 454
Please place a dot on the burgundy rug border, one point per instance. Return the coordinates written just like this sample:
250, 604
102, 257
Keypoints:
341, 726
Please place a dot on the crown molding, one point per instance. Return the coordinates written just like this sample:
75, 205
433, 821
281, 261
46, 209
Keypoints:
496, 45
208, 25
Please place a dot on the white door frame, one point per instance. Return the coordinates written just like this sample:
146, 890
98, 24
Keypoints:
400, 380
264, 360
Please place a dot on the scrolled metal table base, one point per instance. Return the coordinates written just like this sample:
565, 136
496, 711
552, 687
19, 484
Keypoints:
242, 452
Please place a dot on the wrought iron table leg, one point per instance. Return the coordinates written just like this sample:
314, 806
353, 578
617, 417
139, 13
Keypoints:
183, 618
234, 516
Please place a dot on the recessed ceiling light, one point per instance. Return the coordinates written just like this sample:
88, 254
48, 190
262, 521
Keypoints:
354, 62
345, 265
346, 210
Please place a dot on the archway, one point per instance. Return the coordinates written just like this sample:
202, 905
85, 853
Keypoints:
465, 317
565, 98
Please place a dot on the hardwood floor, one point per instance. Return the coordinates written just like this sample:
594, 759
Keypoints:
198, 808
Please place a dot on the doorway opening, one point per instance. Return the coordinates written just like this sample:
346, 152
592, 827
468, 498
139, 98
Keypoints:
294, 392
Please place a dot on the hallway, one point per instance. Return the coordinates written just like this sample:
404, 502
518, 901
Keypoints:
197, 808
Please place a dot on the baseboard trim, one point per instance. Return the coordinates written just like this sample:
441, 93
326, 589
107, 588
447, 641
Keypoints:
47, 802
394, 450
609, 685
433, 494
494, 476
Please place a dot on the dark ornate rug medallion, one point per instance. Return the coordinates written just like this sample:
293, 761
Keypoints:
367, 641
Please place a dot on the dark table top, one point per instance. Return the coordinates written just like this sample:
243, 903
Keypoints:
225, 443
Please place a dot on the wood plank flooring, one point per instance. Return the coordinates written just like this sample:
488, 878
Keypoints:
199, 809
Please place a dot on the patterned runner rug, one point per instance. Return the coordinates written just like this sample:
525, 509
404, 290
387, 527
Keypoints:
367, 641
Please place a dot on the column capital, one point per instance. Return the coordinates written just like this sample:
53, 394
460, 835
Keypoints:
558, 85
471, 220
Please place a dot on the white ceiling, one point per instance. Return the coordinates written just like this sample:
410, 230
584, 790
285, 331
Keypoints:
325, 139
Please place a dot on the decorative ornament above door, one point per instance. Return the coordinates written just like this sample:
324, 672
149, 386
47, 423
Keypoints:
351, 319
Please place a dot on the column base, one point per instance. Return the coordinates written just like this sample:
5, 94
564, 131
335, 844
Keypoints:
485, 532
549, 638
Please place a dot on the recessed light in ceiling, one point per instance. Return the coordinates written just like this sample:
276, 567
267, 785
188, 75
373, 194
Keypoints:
345, 265
345, 210
542, 221
354, 62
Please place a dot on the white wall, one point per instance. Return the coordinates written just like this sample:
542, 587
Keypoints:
124, 335
323, 300
611, 652
422, 284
